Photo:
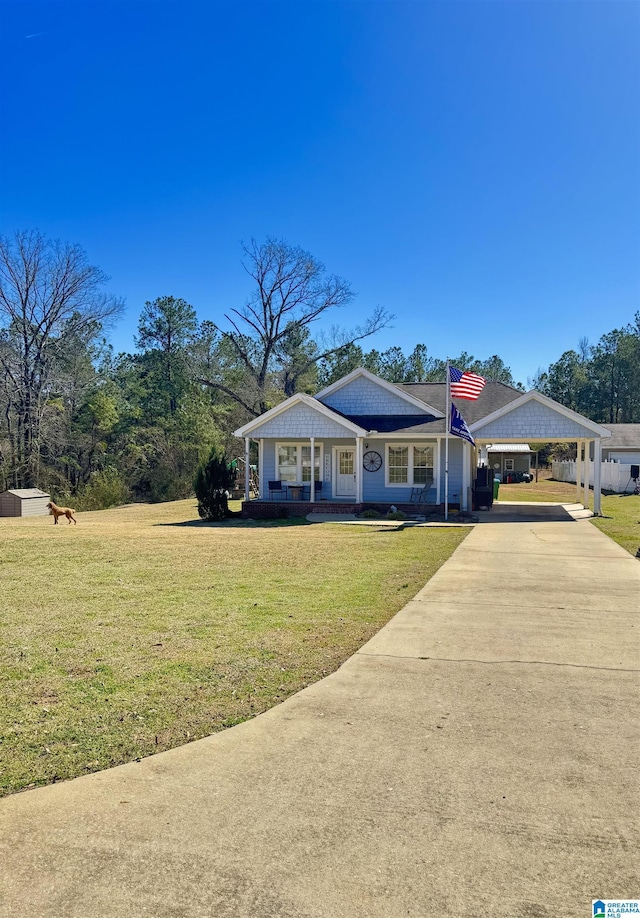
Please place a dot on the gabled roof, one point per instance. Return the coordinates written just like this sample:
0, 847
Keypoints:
533, 395
303, 399
417, 402
494, 395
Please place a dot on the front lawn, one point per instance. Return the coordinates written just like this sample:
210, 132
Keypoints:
142, 628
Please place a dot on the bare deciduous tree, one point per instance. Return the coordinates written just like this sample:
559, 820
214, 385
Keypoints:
269, 336
48, 294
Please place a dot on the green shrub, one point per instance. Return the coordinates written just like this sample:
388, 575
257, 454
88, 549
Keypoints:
370, 515
396, 515
104, 489
213, 480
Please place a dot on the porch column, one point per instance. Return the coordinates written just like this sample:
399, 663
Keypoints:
579, 472
585, 472
312, 489
466, 475
597, 476
261, 487
358, 470
246, 469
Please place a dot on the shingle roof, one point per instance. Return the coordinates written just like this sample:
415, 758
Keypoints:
26, 492
493, 396
623, 436
398, 423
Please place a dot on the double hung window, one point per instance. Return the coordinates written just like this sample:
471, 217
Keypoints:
294, 462
410, 464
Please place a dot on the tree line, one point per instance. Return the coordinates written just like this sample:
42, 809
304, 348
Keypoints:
600, 381
101, 428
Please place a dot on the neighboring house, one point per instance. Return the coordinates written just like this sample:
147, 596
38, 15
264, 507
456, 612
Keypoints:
624, 445
372, 442
506, 458
24, 502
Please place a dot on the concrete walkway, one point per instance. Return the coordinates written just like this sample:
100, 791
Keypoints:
479, 756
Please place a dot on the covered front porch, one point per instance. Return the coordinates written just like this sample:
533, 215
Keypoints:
343, 475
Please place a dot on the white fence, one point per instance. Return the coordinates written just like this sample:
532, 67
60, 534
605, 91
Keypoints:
616, 476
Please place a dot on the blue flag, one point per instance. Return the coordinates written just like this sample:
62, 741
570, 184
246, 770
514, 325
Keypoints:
459, 426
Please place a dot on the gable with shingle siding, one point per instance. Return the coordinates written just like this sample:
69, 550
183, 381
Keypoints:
533, 421
362, 396
301, 421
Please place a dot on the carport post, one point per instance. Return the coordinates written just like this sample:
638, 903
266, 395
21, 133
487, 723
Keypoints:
585, 471
246, 469
597, 476
579, 472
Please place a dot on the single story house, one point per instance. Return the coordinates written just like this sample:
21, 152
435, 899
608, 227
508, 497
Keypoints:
506, 458
364, 441
24, 502
624, 445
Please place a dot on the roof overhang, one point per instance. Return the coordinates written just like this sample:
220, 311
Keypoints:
300, 399
389, 387
598, 431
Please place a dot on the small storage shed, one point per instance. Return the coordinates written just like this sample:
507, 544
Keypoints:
506, 458
24, 502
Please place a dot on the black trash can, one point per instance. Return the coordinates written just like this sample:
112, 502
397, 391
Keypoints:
483, 498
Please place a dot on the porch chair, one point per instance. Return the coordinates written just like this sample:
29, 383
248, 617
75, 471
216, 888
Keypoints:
318, 489
419, 496
275, 487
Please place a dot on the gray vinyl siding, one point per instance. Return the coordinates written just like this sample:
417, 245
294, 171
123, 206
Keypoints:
35, 506
619, 455
521, 461
14, 505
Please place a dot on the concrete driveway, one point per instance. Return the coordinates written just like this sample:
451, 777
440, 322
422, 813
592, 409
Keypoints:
479, 756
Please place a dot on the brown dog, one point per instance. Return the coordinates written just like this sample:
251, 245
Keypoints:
56, 512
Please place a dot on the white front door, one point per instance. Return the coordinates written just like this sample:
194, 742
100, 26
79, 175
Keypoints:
345, 473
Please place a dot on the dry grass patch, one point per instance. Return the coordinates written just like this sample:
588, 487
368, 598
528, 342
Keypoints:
545, 489
142, 628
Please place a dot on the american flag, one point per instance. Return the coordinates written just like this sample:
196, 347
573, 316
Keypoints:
464, 384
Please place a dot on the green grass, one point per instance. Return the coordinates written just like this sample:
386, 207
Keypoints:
621, 512
142, 628
621, 520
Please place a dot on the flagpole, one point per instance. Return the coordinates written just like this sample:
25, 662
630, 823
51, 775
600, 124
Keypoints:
446, 446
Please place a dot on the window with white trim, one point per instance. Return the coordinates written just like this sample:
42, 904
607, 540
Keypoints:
293, 462
508, 465
409, 464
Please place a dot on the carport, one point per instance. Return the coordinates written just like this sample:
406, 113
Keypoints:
533, 417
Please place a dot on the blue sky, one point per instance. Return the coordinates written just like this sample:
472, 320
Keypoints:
474, 167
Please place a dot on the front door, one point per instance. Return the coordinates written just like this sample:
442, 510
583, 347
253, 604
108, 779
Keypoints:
346, 473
